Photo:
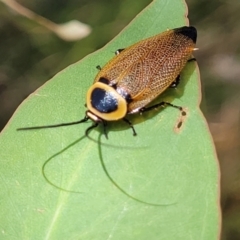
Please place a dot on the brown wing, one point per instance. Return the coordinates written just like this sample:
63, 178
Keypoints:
145, 69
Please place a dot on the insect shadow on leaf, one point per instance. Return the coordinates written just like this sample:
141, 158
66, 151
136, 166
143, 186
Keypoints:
52, 158
118, 186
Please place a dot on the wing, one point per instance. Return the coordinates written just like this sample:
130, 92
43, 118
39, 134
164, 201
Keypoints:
145, 69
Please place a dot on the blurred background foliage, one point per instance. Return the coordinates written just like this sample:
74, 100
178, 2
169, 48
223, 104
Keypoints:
30, 55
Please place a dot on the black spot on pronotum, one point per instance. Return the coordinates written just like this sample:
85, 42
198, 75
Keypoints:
103, 101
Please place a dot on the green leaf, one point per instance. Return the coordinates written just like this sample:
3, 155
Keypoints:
161, 184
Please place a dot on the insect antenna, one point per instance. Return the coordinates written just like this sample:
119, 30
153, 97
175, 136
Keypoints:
90, 128
55, 125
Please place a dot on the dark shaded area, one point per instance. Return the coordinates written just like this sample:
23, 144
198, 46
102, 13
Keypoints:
30, 55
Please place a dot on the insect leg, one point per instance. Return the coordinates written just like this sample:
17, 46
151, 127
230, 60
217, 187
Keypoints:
104, 123
131, 126
119, 51
98, 67
176, 82
163, 104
